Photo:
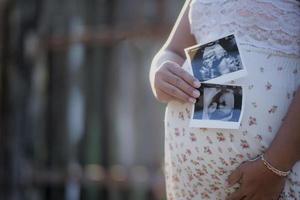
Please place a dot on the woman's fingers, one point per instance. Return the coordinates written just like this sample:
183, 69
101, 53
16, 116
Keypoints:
238, 195
163, 97
256, 182
182, 85
178, 71
176, 92
175, 82
249, 197
235, 176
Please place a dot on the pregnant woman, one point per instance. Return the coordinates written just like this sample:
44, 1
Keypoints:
261, 159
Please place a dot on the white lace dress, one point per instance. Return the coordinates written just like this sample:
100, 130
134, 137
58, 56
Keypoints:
198, 161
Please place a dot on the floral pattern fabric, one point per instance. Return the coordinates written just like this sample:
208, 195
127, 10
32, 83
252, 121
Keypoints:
199, 160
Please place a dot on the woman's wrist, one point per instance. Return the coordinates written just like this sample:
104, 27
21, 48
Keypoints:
284, 150
282, 162
166, 55
270, 167
273, 168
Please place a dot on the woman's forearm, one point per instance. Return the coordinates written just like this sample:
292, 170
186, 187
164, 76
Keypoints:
179, 38
284, 151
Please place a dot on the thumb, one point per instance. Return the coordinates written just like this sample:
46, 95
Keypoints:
234, 177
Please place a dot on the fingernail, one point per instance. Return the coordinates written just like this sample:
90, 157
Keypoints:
197, 84
192, 100
196, 93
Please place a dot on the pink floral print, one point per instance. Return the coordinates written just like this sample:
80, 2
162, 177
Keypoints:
199, 160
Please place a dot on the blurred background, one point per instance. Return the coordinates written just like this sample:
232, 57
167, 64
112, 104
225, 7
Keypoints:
78, 120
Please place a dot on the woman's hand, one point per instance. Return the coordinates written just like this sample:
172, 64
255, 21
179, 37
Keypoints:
171, 82
257, 182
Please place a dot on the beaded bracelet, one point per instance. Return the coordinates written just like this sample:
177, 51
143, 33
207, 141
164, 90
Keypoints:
273, 169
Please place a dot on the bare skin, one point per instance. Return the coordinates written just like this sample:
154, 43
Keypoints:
257, 182
169, 82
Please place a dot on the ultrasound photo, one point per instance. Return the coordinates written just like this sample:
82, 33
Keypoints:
216, 62
219, 106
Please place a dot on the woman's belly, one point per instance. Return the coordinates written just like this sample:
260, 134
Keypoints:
202, 159
270, 86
